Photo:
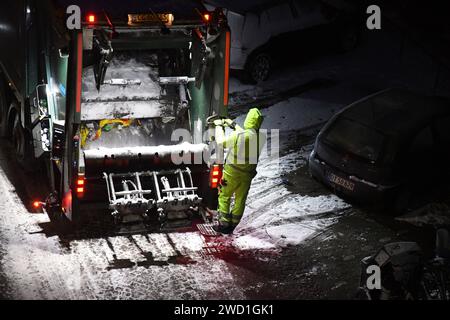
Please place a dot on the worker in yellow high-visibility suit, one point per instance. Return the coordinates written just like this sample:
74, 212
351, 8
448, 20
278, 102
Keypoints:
244, 147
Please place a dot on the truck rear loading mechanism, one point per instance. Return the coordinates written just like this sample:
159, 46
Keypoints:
98, 107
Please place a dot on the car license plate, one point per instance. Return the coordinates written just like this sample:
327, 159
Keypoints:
341, 182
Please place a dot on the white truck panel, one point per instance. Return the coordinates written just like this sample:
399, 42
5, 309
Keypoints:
162, 151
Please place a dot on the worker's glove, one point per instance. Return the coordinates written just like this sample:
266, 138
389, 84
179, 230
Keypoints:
219, 123
230, 123
225, 123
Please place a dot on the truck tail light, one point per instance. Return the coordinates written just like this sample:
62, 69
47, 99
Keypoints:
37, 205
215, 176
81, 182
91, 18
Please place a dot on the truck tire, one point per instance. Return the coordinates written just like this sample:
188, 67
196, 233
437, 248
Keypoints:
19, 142
3, 109
22, 146
60, 222
259, 67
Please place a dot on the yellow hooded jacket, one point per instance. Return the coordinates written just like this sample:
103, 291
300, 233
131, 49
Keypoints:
244, 145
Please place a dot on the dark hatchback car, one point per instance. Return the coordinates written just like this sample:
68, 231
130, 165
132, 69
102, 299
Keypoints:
391, 146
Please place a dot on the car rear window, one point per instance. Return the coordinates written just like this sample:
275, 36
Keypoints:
355, 138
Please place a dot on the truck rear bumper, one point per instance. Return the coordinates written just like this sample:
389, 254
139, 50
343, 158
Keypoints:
161, 191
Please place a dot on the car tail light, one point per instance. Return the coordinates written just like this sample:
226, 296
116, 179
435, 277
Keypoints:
215, 176
207, 17
37, 204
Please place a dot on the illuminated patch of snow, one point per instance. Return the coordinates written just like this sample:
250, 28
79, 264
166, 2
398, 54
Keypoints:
38, 267
254, 241
289, 234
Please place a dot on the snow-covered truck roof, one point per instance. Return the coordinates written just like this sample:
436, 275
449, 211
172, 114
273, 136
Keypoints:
140, 99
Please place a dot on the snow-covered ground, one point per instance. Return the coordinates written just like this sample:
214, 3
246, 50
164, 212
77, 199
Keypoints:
154, 266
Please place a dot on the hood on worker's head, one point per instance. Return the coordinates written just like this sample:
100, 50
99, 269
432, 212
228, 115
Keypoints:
254, 119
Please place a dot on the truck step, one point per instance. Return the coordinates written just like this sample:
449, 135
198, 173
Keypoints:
131, 229
162, 191
207, 230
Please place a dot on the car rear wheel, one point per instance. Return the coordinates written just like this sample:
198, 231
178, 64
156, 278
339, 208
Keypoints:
259, 67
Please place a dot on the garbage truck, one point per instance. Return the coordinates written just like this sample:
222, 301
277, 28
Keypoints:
114, 98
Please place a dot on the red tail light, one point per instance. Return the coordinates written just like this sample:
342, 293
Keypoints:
215, 176
91, 19
81, 182
207, 17
37, 204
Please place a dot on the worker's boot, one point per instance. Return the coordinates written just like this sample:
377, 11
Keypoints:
224, 227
